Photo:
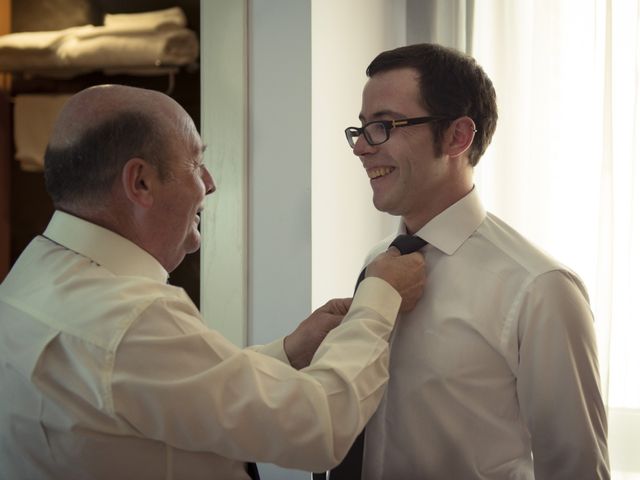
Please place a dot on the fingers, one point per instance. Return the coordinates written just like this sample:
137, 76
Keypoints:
414, 257
393, 251
332, 321
411, 296
337, 306
406, 273
302, 343
343, 305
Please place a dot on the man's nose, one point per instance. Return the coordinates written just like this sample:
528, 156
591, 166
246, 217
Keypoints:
362, 147
209, 183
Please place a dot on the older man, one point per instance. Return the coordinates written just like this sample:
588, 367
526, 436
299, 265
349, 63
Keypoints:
108, 372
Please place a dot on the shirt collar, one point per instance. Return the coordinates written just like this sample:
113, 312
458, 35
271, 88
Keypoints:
106, 248
448, 230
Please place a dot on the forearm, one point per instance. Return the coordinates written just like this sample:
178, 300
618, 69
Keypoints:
240, 404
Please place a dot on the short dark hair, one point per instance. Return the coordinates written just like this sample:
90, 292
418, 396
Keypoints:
452, 85
87, 169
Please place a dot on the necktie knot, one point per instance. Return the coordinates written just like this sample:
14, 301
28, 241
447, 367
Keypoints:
405, 243
408, 243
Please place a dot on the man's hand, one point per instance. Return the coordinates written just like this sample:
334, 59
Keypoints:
405, 273
303, 342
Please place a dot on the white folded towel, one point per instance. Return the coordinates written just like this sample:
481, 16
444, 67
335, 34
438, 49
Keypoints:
39, 41
139, 40
106, 47
34, 116
155, 20
34, 41
35, 50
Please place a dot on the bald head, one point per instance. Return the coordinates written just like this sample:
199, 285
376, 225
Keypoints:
98, 130
95, 106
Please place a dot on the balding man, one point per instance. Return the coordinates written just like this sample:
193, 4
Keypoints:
107, 372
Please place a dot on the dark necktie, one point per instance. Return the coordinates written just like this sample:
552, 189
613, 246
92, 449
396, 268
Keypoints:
252, 470
351, 466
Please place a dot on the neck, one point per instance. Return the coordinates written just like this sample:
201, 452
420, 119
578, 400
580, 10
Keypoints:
434, 207
107, 216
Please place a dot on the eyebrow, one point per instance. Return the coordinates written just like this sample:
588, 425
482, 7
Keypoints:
383, 113
201, 150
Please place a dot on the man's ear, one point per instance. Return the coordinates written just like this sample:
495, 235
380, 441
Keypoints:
459, 136
138, 179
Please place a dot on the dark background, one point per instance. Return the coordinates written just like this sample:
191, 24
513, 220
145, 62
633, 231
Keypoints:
30, 206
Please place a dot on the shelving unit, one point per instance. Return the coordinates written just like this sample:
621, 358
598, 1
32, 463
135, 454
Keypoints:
25, 207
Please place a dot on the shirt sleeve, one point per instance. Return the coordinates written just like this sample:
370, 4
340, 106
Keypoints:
178, 382
274, 349
558, 380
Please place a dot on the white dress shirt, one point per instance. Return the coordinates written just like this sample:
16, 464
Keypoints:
497, 362
106, 372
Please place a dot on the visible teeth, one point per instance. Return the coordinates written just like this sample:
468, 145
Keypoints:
379, 172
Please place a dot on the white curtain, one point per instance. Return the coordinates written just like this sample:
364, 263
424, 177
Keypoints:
564, 165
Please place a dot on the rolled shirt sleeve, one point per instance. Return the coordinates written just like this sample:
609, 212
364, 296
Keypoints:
178, 382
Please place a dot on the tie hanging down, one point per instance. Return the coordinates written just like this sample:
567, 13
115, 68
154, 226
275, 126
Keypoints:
351, 466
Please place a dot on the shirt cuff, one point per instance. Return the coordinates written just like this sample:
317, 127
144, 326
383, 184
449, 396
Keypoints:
274, 349
378, 295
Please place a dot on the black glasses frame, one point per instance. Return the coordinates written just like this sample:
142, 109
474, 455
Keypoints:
388, 125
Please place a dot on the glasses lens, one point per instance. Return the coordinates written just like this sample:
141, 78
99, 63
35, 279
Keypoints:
352, 134
376, 133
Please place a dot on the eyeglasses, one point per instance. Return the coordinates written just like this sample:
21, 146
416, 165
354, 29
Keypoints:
378, 131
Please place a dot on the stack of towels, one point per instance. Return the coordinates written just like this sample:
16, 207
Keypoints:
125, 41
33, 119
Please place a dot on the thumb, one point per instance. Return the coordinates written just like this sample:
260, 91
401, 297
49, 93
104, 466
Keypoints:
333, 321
393, 251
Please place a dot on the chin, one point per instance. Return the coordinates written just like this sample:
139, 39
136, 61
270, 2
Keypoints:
193, 246
383, 206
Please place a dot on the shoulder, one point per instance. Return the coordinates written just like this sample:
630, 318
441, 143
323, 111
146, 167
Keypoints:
507, 247
533, 273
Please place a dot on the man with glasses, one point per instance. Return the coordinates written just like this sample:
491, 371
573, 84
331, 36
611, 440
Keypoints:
494, 375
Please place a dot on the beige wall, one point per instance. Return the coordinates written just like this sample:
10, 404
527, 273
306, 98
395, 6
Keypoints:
346, 36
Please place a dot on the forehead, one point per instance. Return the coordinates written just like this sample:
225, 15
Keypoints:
183, 141
193, 146
393, 91
180, 128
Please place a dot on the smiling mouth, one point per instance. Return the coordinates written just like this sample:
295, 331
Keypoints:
379, 172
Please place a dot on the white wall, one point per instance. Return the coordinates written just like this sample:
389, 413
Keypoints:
279, 174
279, 166
223, 265
346, 36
